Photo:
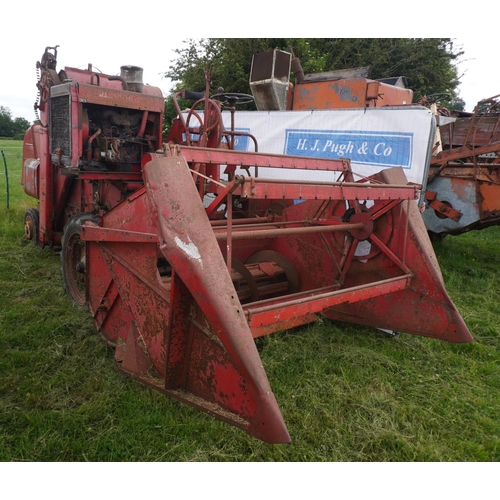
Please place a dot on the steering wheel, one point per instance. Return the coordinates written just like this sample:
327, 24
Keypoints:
233, 98
211, 124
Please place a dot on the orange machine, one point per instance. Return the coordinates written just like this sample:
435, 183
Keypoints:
330, 90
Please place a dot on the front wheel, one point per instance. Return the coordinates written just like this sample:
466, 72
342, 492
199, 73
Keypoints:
73, 262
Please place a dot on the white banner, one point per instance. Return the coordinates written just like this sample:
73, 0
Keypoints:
372, 138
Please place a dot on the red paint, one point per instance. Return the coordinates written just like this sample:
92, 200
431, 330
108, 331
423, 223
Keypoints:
157, 279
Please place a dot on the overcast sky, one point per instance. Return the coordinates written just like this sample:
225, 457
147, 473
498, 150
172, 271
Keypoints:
113, 34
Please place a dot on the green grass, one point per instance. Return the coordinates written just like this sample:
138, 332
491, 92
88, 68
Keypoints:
347, 393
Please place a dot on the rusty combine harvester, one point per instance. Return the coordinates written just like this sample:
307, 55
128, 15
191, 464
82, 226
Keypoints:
184, 253
463, 188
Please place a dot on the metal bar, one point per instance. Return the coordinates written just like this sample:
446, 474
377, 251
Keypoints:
229, 231
276, 233
463, 152
106, 302
249, 159
209, 178
351, 245
110, 176
112, 258
328, 250
321, 209
303, 190
276, 225
96, 233
316, 302
404, 213
470, 164
241, 134
328, 183
379, 243
227, 190
249, 220
381, 211
6, 177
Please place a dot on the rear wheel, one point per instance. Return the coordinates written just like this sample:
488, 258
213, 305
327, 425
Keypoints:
74, 268
31, 224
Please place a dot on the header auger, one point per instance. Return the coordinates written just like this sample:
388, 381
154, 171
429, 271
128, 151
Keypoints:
183, 253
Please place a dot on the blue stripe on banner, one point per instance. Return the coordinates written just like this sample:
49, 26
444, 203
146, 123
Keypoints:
240, 142
389, 149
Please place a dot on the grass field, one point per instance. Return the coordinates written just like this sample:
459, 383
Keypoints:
347, 393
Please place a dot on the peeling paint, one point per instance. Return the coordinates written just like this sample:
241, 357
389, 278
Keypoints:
344, 92
190, 249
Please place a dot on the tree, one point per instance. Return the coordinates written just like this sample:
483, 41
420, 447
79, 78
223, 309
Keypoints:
20, 126
427, 63
6, 128
230, 60
9, 127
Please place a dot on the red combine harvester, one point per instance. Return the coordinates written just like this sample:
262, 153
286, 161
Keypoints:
183, 254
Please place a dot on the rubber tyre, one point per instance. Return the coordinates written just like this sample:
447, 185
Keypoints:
31, 225
73, 263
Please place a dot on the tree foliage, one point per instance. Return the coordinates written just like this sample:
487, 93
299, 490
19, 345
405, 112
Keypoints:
12, 127
429, 64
